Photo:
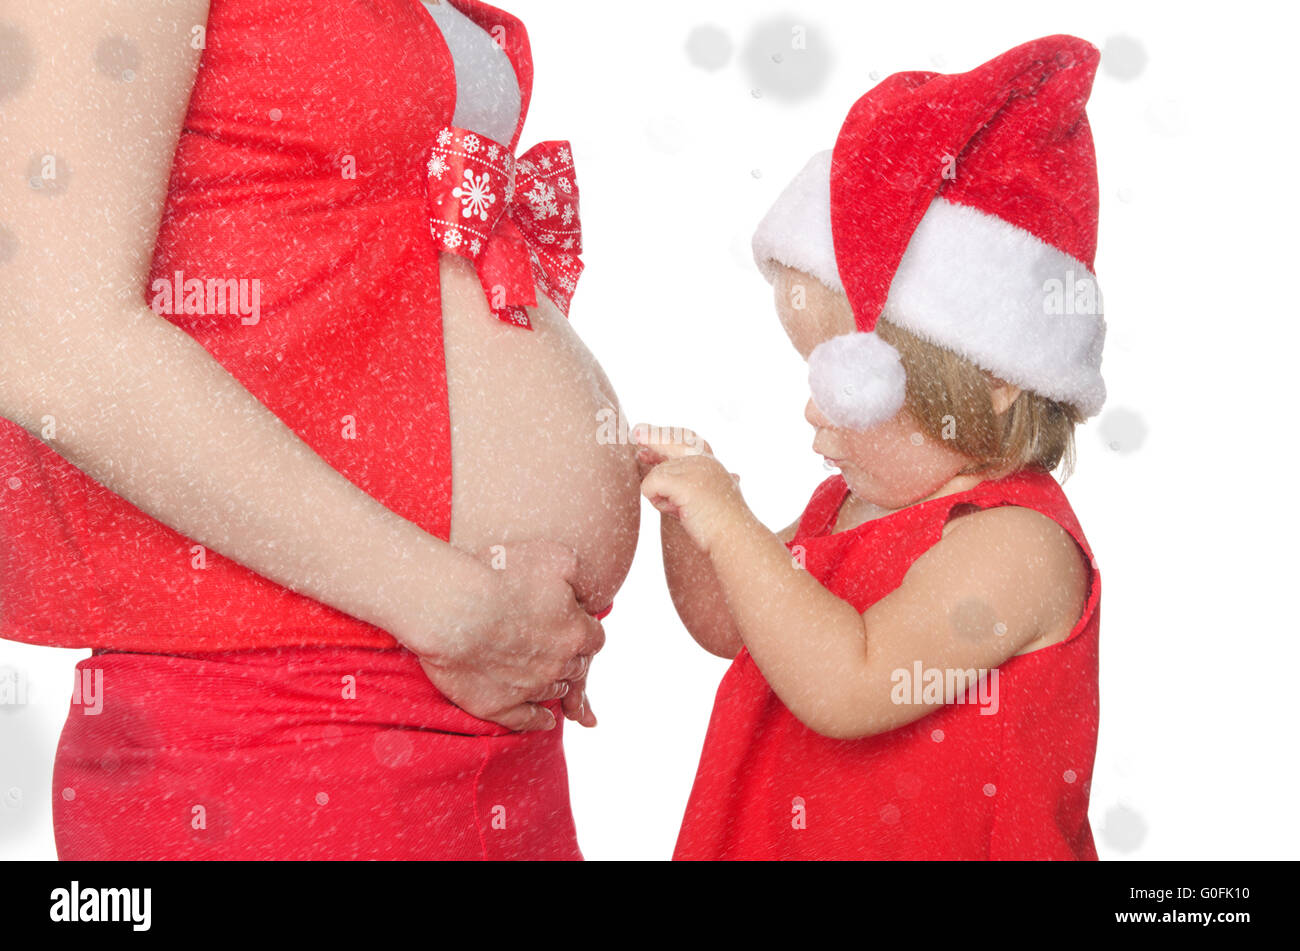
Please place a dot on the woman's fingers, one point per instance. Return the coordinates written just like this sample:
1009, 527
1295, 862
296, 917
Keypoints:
554, 692
577, 707
526, 718
576, 669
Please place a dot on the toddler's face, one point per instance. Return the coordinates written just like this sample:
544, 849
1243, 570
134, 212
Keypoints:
893, 464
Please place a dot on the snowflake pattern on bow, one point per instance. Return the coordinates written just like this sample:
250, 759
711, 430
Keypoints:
480, 199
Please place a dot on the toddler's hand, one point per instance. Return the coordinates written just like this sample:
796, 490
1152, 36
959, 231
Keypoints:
682, 479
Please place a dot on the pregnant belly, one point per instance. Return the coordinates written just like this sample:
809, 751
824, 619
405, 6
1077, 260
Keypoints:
530, 456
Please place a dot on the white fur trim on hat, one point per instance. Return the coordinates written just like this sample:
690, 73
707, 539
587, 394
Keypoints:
796, 231
857, 380
969, 282
1004, 299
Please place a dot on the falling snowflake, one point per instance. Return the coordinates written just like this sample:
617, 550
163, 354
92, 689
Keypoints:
568, 283
493, 152
565, 156
438, 166
546, 162
471, 144
547, 238
568, 214
566, 259
568, 244
527, 167
542, 198
475, 247
444, 137
565, 185
451, 238
477, 198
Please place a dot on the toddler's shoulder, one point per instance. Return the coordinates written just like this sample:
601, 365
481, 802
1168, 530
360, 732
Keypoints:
1034, 553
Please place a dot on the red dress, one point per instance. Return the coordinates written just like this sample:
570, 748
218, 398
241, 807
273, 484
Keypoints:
229, 729
956, 784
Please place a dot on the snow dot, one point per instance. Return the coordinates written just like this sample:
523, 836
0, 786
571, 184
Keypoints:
110, 762
1000, 629
15, 60
13, 797
937, 735
1069, 775
917, 439
972, 619
667, 133
48, 174
393, 749
890, 814
8, 245
322, 798
874, 75
117, 58
757, 173
332, 734
1167, 117
909, 785
15, 483
1125, 194
69, 794
1123, 829
787, 58
1123, 430
709, 47
1123, 58
990, 790
938, 60
275, 115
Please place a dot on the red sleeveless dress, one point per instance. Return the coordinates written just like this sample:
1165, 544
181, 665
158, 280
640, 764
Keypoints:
240, 720
956, 784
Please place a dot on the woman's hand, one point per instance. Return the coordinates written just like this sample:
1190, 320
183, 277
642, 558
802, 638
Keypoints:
531, 643
683, 480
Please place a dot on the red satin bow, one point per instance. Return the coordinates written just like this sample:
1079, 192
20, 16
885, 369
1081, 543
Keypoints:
517, 220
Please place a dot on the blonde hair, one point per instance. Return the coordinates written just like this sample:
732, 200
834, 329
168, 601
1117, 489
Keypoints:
951, 400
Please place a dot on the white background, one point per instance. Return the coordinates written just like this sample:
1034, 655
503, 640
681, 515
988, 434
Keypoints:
1181, 484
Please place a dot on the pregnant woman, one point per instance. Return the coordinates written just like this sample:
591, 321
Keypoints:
301, 441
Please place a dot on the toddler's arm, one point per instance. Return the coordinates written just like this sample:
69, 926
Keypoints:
696, 592
995, 583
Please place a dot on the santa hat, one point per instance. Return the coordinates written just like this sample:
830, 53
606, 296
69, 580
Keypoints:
962, 208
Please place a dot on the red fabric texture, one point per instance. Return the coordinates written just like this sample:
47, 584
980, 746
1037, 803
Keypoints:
277, 755
956, 784
1017, 134
291, 97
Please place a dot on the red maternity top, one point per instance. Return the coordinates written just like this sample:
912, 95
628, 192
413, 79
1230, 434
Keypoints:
956, 784
291, 94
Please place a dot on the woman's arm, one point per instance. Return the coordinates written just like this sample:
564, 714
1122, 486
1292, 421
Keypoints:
142, 408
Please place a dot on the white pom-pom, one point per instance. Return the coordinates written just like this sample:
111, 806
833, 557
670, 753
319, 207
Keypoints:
857, 380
